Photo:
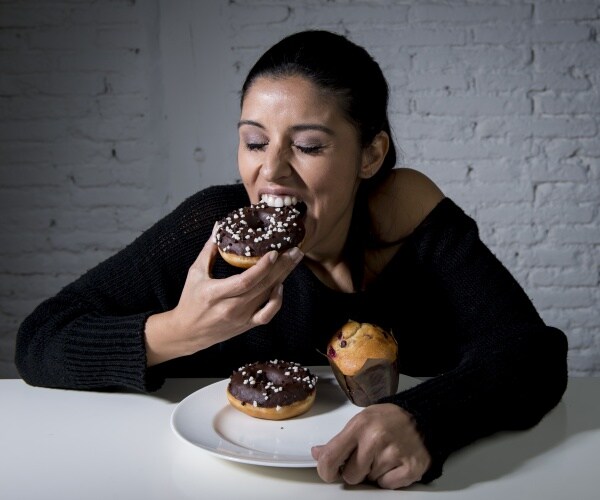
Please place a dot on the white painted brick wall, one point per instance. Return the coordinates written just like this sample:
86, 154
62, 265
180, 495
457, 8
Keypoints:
82, 162
112, 112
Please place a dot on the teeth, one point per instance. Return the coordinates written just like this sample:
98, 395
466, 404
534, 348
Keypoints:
278, 201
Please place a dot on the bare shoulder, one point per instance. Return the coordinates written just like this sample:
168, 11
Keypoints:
401, 203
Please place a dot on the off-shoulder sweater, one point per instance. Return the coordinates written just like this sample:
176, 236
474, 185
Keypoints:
458, 315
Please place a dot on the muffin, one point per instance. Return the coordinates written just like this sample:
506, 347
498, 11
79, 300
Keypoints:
363, 358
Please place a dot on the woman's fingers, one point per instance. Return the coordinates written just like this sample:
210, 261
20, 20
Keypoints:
399, 477
333, 457
379, 444
269, 271
256, 278
357, 467
266, 313
206, 258
213, 310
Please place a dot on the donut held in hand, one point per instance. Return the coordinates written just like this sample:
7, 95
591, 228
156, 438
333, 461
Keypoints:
246, 234
363, 358
272, 390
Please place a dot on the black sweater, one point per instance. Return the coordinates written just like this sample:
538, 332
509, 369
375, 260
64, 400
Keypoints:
457, 313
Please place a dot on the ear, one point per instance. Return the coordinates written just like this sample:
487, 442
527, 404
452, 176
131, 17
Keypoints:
373, 155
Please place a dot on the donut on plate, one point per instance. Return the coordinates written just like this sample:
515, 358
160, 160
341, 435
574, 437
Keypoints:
272, 390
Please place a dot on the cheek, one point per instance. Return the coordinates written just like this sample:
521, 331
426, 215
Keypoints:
335, 183
241, 157
245, 165
246, 174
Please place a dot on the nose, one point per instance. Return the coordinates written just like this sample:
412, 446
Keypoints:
276, 164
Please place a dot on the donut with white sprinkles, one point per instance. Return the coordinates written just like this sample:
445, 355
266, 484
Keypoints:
246, 234
272, 390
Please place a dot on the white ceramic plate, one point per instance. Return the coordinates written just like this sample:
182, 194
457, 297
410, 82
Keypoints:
206, 420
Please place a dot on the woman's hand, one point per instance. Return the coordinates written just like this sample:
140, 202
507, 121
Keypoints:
213, 310
379, 444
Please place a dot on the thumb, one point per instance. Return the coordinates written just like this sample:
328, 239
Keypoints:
207, 255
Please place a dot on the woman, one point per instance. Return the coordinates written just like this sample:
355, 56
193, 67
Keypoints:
382, 245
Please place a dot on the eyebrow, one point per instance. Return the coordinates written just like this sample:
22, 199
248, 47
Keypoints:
296, 128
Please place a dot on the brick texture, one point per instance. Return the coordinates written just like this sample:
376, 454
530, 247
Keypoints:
497, 101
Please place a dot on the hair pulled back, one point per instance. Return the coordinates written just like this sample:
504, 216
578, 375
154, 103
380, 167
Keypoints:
340, 67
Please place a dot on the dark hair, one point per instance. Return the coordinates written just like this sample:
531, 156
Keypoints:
339, 66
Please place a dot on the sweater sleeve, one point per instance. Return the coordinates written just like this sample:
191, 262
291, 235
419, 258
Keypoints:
511, 368
91, 334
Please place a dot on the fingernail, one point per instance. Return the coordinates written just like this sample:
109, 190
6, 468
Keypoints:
273, 256
296, 254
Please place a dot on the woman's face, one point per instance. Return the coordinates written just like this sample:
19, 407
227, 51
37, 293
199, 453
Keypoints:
296, 144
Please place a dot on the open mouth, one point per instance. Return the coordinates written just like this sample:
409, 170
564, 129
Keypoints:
278, 201
275, 201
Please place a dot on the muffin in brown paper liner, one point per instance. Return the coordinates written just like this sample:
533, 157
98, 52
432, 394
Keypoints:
363, 358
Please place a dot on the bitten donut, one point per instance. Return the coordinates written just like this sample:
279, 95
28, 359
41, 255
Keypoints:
246, 234
272, 390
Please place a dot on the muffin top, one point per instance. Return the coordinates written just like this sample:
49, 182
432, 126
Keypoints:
355, 343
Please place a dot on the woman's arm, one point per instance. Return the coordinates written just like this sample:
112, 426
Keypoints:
91, 334
154, 301
509, 367
512, 367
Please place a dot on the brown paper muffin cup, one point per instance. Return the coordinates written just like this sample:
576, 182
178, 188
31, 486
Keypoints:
378, 378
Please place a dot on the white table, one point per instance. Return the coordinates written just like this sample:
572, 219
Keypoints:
57, 444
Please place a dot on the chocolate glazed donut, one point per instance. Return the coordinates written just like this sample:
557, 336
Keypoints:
246, 234
273, 390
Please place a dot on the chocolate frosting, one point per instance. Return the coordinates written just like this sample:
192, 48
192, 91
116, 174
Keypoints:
257, 229
272, 383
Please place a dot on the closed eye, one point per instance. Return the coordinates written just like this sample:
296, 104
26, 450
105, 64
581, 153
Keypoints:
309, 150
256, 146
